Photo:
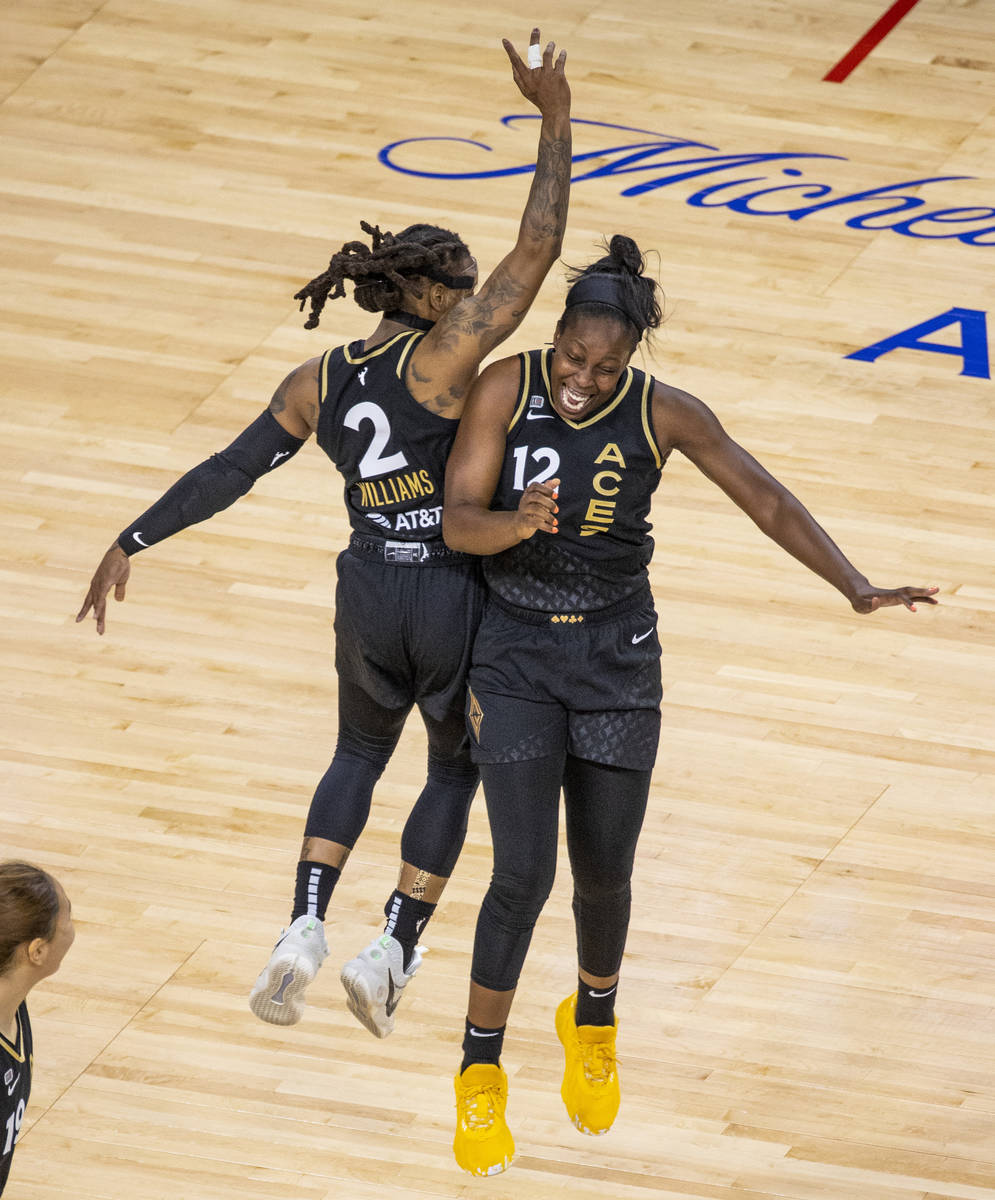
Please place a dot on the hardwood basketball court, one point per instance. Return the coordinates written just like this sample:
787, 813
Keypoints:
807, 1003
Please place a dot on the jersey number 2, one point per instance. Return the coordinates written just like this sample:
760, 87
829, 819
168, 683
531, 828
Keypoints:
374, 462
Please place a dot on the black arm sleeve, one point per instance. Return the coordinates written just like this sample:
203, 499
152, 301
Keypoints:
214, 484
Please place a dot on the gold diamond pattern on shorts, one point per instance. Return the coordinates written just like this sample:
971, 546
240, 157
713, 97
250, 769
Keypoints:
475, 713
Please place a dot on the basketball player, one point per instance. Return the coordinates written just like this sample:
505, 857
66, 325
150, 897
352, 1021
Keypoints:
557, 458
36, 930
385, 410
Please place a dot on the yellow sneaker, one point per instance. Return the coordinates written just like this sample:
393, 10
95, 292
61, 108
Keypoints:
590, 1079
483, 1144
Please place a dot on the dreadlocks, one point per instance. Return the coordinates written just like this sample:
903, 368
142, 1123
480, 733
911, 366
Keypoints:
384, 270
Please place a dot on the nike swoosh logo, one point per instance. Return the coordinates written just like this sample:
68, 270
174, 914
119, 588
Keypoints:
640, 637
478, 1033
138, 539
10, 1090
391, 1002
538, 416
600, 995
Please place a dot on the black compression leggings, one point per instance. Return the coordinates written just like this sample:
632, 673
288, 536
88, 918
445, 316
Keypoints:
368, 733
604, 808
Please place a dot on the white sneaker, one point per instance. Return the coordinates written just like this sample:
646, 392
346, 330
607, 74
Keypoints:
374, 981
278, 994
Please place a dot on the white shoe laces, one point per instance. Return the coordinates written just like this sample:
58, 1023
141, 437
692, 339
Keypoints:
598, 1060
479, 1106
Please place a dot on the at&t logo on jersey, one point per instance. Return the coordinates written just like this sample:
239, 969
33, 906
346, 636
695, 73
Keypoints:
421, 519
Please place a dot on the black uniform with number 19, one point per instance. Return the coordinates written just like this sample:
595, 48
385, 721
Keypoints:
16, 1061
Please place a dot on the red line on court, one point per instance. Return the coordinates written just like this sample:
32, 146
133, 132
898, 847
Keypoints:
877, 32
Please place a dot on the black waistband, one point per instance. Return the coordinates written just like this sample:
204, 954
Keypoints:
597, 616
406, 554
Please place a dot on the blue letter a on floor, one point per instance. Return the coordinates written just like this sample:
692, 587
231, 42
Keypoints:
973, 348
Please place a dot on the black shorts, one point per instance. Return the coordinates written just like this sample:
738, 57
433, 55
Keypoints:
589, 688
404, 632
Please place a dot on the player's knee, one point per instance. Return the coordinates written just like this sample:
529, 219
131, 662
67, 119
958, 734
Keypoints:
371, 753
458, 774
601, 891
517, 899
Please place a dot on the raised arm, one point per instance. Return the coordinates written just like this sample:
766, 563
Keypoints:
474, 468
683, 422
455, 347
215, 484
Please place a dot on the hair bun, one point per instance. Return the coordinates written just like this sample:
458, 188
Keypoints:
626, 253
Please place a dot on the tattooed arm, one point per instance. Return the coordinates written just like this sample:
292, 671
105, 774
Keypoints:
295, 401
445, 363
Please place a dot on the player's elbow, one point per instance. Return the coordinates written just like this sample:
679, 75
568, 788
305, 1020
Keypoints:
452, 528
457, 527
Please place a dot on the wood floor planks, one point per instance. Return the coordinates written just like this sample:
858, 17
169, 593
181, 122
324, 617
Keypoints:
807, 1004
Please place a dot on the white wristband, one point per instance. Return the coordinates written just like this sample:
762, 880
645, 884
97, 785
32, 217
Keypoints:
535, 56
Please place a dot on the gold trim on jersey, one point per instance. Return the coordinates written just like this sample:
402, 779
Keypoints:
647, 409
12, 1047
526, 389
413, 335
605, 409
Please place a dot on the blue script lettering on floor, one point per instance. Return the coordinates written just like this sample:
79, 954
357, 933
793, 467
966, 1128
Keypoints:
665, 160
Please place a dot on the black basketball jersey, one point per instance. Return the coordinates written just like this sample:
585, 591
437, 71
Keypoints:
390, 449
609, 466
16, 1061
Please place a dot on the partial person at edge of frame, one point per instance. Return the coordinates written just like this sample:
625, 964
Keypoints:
385, 410
36, 931
551, 477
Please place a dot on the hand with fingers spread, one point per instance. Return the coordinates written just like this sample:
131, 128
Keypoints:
870, 599
113, 572
537, 509
544, 86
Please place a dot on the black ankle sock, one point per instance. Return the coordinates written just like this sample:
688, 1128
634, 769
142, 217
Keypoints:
481, 1045
595, 1005
315, 884
406, 918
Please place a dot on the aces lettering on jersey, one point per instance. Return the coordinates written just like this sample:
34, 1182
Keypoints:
605, 485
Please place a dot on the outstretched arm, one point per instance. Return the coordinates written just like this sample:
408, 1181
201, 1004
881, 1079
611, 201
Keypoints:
683, 422
450, 354
474, 467
215, 484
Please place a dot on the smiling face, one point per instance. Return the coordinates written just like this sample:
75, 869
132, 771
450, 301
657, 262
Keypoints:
589, 356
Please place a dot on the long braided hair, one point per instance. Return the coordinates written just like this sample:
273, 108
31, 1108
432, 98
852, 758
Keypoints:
383, 271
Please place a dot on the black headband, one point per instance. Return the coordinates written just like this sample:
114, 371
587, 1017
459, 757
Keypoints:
602, 289
458, 282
